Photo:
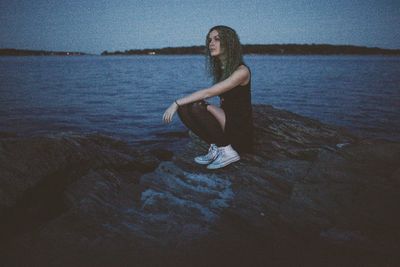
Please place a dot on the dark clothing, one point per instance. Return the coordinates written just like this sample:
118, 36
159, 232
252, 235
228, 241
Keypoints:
201, 122
236, 104
238, 132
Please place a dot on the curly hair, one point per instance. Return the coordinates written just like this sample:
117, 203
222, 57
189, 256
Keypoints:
232, 48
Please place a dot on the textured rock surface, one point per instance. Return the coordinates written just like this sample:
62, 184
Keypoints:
310, 194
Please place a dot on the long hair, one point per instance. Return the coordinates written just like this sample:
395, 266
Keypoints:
232, 49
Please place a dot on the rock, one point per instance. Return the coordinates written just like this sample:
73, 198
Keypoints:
36, 172
7, 134
163, 154
309, 194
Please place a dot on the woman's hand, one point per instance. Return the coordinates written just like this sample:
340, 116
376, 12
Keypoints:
169, 113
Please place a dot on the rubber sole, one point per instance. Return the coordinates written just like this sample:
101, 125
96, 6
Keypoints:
203, 162
226, 163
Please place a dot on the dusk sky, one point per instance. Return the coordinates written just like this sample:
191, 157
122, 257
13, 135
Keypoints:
96, 25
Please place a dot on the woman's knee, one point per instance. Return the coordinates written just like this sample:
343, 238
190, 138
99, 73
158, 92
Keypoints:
199, 107
193, 109
183, 111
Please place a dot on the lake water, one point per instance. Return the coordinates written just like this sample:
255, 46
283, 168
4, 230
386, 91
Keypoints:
126, 96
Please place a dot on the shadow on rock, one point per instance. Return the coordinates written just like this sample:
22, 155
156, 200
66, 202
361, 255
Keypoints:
310, 194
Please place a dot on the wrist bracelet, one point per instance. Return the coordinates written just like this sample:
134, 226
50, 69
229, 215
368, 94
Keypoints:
177, 103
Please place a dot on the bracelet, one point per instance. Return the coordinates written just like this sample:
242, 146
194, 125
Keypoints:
177, 103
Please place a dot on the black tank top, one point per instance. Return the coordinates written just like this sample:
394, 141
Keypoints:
236, 104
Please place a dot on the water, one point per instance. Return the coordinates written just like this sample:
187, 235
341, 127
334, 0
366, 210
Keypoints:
126, 96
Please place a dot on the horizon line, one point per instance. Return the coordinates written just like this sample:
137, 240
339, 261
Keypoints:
187, 46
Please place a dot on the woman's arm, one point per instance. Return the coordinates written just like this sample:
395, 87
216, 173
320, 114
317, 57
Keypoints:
239, 76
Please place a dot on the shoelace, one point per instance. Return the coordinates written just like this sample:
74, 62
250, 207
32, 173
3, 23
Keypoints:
220, 154
211, 149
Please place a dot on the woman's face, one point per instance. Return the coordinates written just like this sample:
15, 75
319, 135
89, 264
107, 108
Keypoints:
214, 43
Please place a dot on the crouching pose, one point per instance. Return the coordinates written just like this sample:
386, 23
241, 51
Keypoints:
228, 128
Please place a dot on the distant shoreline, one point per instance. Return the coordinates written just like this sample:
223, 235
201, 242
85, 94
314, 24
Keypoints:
26, 52
272, 49
256, 49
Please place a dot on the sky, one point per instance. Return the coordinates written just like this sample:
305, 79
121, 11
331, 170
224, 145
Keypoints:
93, 26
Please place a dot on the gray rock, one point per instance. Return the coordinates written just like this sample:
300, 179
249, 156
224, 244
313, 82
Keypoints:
302, 197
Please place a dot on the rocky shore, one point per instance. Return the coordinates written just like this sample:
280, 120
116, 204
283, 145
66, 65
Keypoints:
311, 194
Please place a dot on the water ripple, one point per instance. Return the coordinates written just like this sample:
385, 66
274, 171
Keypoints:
126, 96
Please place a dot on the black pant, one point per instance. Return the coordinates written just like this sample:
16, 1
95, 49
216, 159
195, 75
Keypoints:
201, 122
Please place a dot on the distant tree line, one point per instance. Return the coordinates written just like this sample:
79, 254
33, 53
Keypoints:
316, 49
271, 49
24, 52
189, 50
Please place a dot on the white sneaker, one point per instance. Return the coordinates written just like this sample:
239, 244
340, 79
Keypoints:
226, 156
209, 157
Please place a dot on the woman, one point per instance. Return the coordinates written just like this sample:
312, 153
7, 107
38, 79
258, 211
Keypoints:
228, 128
